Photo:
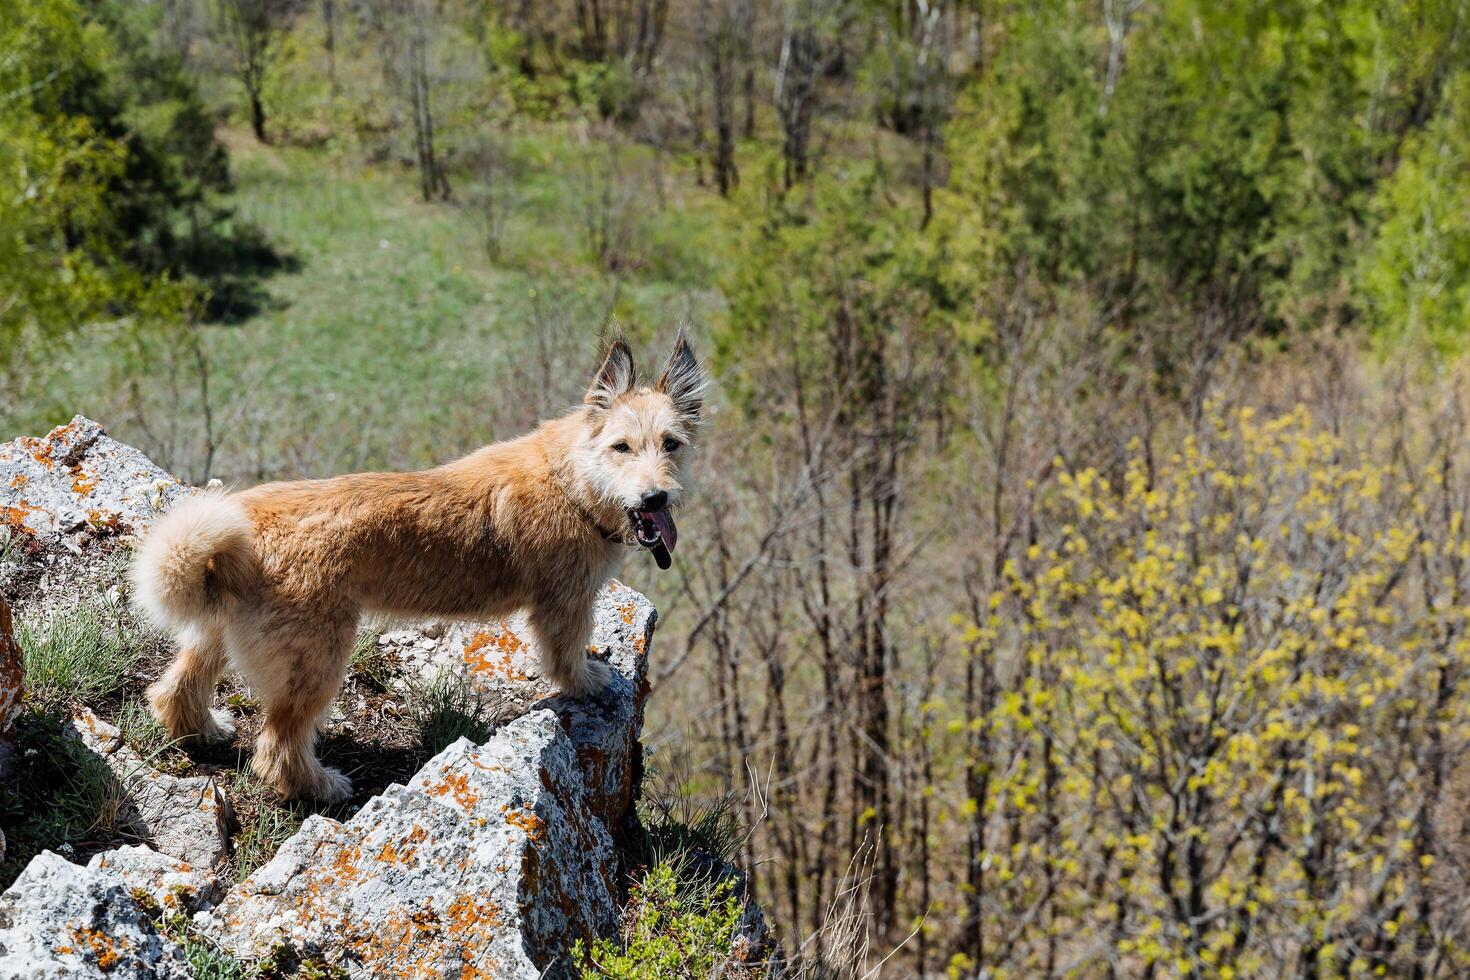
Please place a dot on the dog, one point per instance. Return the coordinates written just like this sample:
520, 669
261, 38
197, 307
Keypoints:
273, 580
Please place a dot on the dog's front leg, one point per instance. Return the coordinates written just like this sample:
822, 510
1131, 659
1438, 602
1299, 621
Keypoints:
561, 628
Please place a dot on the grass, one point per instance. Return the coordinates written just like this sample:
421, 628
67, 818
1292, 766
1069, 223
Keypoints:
84, 655
375, 665
390, 339
268, 828
61, 798
447, 709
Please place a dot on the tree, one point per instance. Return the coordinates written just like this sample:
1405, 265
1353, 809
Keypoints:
724, 30
253, 30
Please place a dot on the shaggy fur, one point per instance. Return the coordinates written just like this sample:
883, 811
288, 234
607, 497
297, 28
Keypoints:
273, 580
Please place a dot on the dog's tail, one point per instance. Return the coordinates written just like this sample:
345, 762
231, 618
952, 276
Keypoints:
194, 560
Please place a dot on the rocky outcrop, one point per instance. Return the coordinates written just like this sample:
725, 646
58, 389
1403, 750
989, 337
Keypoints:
61, 920
76, 484
184, 817
500, 665
174, 885
490, 862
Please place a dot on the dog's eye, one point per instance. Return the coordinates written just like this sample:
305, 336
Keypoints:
672, 445
622, 447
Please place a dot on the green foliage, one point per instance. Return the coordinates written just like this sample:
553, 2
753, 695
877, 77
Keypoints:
670, 931
62, 249
676, 824
1217, 160
82, 655
375, 665
258, 842
1417, 273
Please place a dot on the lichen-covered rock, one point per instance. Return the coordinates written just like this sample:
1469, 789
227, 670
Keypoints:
12, 689
61, 920
67, 501
499, 662
177, 886
77, 480
488, 864
184, 817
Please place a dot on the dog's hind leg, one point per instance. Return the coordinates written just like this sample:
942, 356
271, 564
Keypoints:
297, 668
561, 630
181, 697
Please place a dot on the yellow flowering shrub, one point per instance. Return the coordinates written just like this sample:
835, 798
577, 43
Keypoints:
1231, 704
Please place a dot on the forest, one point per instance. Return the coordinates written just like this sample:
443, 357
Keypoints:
1077, 580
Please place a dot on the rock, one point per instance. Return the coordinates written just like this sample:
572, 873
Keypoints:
12, 690
184, 817
175, 885
66, 501
488, 864
61, 920
500, 664
76, 478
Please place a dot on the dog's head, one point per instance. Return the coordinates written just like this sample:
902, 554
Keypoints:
637, 447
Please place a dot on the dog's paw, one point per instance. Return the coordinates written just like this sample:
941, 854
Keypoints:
333, 787
593, 678
219, 728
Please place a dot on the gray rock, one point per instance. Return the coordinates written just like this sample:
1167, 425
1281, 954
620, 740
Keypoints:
175, 885
76, 479
61, 920
488, 863
184, 817
499, 662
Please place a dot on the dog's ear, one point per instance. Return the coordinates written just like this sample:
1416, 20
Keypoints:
616, 376
683, 379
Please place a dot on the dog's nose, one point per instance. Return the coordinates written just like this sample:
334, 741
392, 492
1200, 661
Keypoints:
655, 500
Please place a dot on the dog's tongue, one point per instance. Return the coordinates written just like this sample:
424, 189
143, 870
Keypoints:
668, 535
664, 521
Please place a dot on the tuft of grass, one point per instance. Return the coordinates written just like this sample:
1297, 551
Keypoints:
448, 709
82, 656
257, 842
141, 732
374, 665
676, 823
62, 797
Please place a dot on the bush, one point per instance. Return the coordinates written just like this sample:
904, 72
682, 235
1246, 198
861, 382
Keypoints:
1239, 695
673, 927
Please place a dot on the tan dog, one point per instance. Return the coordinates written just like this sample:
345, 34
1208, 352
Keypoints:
273, 580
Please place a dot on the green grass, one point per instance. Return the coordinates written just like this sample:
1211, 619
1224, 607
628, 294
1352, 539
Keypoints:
447, 709
376, 666
62, 796
271, 825
83, 655
391, 340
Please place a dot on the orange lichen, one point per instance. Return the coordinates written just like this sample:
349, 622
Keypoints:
458, 784
20, 480
478, 654
627, 612
526, 820
104, 948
